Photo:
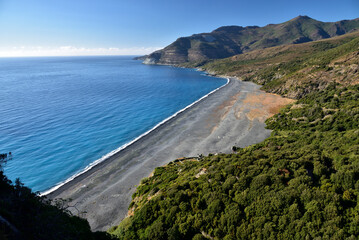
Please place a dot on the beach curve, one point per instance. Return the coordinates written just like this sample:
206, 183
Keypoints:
114, 152
213, 124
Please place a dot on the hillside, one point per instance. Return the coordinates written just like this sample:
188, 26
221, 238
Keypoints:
295, 70
25, 215
301, 183
231, 40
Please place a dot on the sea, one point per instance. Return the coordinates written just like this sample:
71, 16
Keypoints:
61, 115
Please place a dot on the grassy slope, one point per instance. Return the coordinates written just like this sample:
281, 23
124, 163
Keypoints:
295, 70
302, 182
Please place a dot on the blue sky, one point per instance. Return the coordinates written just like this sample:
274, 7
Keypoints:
92, 27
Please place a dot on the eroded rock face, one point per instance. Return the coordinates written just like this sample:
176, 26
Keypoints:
149, 61
231, 40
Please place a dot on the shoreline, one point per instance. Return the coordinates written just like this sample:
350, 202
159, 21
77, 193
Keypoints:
232, 115
111, 154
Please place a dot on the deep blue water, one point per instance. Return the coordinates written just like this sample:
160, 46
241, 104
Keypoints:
59, 114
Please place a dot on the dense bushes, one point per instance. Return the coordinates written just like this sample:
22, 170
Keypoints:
301, 183
25, 215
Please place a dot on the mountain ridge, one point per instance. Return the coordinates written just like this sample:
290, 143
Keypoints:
228, 41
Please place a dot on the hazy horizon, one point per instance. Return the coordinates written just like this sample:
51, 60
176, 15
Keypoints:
96, 28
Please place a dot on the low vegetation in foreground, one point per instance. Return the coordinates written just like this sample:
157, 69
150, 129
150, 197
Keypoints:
26, 215
301, 183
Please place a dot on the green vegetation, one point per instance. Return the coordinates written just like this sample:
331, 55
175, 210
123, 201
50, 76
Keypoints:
301, 183
26, 215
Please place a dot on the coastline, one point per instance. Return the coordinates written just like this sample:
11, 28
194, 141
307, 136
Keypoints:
121, 148
230, 115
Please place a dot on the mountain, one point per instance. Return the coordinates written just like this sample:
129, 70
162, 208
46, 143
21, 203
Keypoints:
232, 40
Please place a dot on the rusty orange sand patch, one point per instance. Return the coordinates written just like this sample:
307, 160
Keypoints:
263, 106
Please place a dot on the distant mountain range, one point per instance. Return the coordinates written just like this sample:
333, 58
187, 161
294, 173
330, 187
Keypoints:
232, 40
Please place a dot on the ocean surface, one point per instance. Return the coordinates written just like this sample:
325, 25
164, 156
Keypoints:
60, 114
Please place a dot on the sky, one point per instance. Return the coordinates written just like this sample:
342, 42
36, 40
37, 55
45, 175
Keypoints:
136, 27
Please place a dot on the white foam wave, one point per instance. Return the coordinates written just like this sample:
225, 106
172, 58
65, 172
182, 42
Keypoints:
110, 154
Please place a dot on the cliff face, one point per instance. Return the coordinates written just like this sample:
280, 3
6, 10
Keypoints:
232, 40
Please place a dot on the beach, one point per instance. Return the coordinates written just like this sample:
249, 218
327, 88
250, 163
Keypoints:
232, 116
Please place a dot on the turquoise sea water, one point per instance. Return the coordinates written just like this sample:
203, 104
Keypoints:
60, 114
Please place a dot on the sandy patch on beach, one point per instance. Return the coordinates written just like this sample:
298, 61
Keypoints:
263, 105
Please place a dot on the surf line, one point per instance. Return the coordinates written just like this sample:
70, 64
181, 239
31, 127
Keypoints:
110, 154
